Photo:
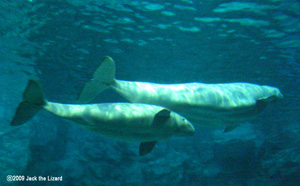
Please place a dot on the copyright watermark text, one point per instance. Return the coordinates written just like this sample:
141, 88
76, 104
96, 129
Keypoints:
20, 178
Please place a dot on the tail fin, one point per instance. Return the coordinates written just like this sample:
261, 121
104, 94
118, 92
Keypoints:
33, 100
102, 78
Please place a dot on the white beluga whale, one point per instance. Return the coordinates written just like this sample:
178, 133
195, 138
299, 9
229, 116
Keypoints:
211, 105
123, 121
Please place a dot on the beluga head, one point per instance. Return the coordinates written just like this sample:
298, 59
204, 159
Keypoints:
277, 94
179, 125
185, 128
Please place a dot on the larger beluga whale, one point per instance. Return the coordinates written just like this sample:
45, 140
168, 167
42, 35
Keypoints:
211, 105
124, 121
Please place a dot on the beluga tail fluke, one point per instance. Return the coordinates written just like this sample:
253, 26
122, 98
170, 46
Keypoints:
211, 105
103, 78
137, 122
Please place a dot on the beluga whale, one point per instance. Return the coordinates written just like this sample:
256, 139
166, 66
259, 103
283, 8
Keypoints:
211, 105
136, 122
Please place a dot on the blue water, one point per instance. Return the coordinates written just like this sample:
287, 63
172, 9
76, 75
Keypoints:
61, 43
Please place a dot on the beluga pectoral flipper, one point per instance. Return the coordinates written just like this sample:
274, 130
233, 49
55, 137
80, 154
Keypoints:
137, 122
212, 105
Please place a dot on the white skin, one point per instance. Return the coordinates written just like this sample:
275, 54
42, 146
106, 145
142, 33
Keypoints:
123, 121
213, 105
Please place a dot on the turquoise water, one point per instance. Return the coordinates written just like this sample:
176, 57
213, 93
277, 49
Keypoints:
61, 43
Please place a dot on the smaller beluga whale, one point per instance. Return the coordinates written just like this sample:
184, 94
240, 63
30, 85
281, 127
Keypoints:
136, 122
210, 105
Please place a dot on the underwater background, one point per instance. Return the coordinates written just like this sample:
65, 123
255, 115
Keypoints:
62, 42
